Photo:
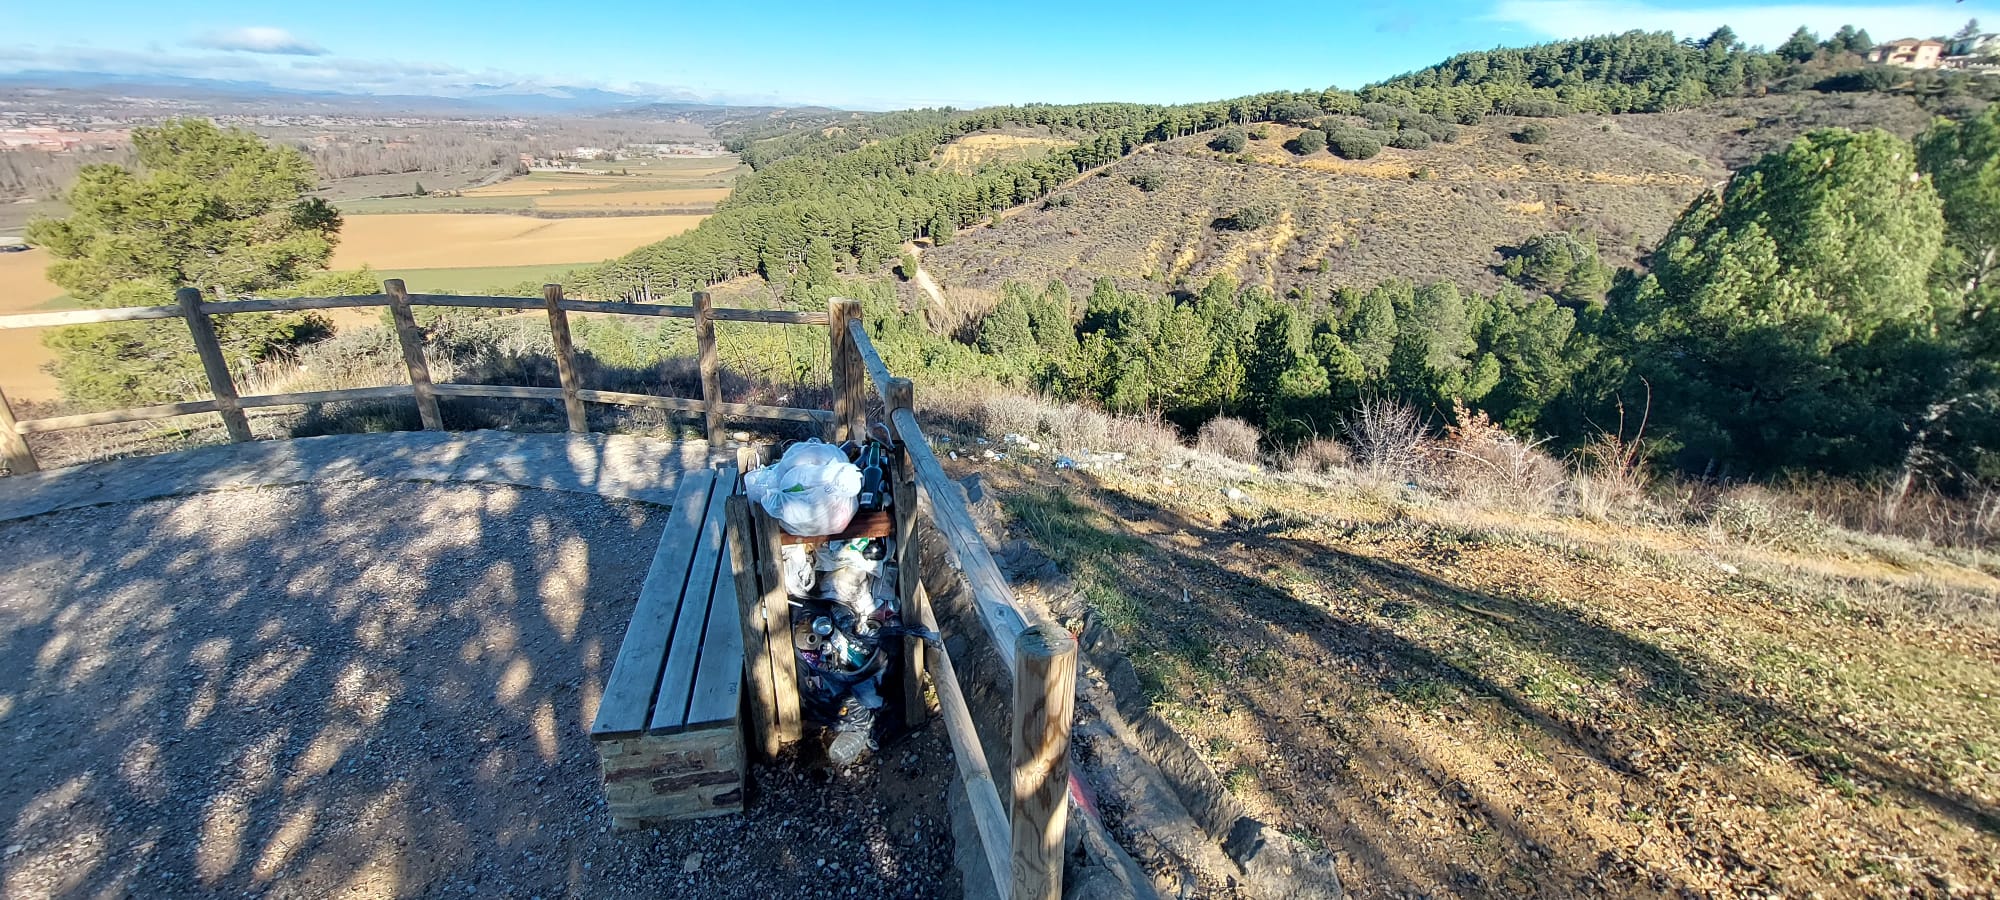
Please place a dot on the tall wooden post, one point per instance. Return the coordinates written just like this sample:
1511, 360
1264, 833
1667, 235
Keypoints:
757, 625
20, 459
711, 369
909, 565
565, 358
849, 378
206, 346
1044, 703
413, 354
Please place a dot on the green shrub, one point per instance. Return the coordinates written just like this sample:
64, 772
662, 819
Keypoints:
1309, 142
1410, 139
1532, 133
1231, 140
1249, 218
1354, 143
1148, 181
1536, 107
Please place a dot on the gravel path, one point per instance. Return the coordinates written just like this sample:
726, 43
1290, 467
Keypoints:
375, 689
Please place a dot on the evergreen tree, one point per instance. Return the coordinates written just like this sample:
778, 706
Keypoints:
1800, 47
206, 208
1785, 322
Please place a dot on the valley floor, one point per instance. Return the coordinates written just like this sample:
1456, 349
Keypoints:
1459, 702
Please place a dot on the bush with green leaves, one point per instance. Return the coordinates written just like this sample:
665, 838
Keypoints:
1309, 142
1229, 140
1532, 133
1148, 181
1355, 143
1249, 218
1410, 139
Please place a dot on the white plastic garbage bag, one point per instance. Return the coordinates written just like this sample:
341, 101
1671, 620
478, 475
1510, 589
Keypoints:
800, 579
812, 490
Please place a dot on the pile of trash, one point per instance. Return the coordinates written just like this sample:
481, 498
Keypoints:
846, 624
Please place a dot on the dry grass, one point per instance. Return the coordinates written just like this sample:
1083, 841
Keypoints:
439, 240
23, 288
1229, 437
974, 151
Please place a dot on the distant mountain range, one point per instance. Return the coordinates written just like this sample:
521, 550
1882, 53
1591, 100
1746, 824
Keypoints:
484, 99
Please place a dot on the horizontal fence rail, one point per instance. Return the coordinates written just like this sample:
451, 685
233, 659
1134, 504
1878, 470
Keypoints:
198, 312
1021, 837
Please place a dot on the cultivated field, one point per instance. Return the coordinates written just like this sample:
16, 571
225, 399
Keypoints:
444, 240
674, 184
23, 289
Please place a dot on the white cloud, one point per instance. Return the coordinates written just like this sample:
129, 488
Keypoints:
1767, 25
258, 39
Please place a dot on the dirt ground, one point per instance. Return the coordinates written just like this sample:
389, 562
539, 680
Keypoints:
1457, 702
377, 690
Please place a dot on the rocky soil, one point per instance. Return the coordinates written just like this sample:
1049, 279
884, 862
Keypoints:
377, 690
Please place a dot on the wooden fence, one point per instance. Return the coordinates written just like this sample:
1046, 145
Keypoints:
1021, 838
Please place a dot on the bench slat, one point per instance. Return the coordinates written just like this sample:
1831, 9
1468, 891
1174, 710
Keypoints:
628, 693
718, 682
685, 649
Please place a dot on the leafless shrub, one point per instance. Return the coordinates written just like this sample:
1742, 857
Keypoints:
1388, 437
1479, 461
1758, 515
1969, 518
1229, 436
1067, 428
1319, 456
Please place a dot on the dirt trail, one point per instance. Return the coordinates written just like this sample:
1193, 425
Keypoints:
926, 282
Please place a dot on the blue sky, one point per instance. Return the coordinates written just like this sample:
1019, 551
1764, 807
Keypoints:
865, 55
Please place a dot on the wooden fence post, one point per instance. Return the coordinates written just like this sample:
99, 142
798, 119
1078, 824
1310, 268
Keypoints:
213, 364
849, 378
757, 625
413, 354
552, 295
20, 459
909, 565
711, 369
778, 626
1044, 703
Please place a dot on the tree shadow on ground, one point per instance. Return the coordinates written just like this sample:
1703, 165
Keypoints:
1317, 653
367, 689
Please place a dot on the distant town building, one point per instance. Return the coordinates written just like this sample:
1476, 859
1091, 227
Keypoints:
1976, 45
1910, 53
56, 140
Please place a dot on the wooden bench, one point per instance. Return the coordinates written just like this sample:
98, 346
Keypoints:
669, 727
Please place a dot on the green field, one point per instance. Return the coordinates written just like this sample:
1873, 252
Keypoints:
633, 186
479, 279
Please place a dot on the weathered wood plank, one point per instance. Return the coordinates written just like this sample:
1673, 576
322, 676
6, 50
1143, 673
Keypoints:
769, 316
1044, 703
684, 648
565, 358
115, 416
89, 316
900, 394
849, 403
753, 624
710, 363
290, 304
628, 693
497, 391
475, 302
620, 308
778, 629
412, 341
343, 395
989, 815
871, 361
718, 680
733, 410
20, 459
868, 524
213, 365
992, 597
